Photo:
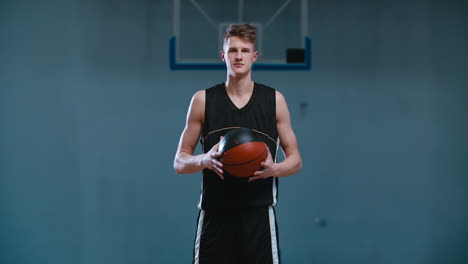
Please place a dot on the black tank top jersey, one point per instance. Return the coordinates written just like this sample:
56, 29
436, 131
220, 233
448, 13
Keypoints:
221, 116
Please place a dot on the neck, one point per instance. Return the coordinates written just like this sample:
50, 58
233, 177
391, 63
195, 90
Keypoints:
239, 85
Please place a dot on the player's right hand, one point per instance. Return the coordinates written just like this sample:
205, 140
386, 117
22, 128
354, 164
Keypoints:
210, 161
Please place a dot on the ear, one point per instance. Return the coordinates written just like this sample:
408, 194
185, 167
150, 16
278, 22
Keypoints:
221, 53
255, 55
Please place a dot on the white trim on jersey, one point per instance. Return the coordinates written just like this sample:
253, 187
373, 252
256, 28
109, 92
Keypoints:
274, 244
275, 190
197, 239
277, 148
201, 195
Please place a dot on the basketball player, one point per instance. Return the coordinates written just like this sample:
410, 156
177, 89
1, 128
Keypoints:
236, 223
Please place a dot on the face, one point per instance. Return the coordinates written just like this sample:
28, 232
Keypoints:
239, 55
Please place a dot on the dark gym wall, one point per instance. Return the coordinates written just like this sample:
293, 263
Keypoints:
90, 116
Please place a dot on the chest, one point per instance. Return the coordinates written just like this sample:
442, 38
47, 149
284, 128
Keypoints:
239, 102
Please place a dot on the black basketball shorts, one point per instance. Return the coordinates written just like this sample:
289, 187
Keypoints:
246, 236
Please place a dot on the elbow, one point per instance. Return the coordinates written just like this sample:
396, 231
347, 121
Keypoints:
178, 170
177, 167
299, 166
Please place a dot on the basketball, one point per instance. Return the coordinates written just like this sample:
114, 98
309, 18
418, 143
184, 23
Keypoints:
243, 151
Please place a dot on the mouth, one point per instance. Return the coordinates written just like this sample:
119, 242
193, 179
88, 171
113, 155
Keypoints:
238, 64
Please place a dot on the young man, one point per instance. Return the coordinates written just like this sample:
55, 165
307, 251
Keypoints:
236, 223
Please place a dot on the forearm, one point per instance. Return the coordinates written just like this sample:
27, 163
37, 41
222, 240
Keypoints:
186, 163
289, 166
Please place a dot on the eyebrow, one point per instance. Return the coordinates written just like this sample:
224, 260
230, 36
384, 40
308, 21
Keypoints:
234, 48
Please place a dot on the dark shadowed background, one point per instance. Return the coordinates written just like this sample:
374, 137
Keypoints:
90, 116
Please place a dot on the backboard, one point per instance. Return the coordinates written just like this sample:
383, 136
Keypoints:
282, 32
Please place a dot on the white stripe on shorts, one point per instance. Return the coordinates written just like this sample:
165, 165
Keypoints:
197, 239
274, 244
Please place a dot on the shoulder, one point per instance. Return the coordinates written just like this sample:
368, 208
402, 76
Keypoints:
198, 97
280, 101
197, 104
196, 109
279, 96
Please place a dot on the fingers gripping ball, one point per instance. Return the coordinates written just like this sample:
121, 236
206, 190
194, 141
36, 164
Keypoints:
242, 151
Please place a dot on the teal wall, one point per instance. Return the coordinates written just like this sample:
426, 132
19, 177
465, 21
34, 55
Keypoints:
90, 117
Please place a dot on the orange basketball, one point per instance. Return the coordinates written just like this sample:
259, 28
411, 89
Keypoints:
243, 151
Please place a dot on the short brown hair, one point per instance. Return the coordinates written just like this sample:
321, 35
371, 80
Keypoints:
245, 31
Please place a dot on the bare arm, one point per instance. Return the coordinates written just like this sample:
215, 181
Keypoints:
185, 162
292, 163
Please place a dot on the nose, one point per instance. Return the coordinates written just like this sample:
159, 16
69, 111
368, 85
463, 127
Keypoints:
239, 56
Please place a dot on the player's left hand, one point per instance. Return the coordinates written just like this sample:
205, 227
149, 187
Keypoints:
268, 169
